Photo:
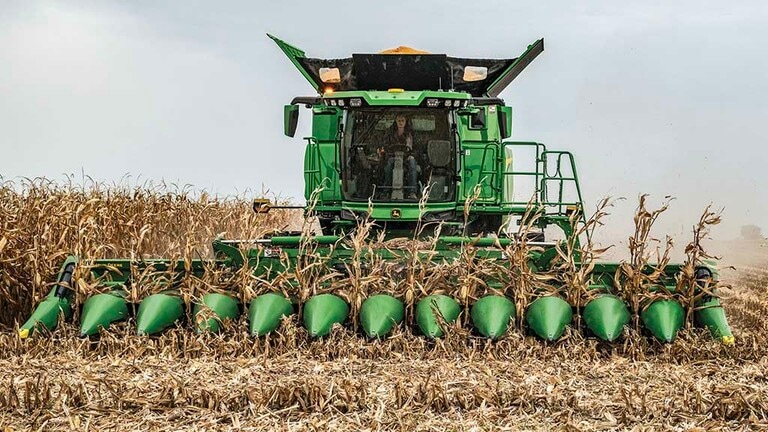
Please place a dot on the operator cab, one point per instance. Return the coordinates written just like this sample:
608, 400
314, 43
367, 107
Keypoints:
398, 154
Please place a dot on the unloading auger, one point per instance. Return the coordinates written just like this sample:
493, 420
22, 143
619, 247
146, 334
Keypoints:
414, 145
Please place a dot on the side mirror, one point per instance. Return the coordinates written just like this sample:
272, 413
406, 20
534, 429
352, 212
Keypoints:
505, 121
290, 119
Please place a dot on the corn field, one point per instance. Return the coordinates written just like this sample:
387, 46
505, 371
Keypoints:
287, 381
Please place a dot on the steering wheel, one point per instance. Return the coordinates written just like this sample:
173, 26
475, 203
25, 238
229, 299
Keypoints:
397, 147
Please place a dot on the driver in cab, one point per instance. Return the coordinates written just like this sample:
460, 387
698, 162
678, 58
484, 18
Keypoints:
400, 137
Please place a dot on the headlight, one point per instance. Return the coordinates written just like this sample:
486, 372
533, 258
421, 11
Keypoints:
356, 102
432, 103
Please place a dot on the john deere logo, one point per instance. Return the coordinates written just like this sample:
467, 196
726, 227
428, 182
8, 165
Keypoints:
395, 213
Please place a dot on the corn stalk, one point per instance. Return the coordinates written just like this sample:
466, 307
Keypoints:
639, 281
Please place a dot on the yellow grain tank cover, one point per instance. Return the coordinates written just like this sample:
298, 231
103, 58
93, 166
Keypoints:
403, 50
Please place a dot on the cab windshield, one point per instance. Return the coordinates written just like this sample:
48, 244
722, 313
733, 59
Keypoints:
398, 154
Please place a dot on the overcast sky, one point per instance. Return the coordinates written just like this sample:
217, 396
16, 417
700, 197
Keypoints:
667, 98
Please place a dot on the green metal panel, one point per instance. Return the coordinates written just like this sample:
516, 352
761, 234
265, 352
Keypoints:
325, 122
383, 210
293, 54
515, 68
482, 163
477, 134
321, 158
505, 115
406, 98
480, 168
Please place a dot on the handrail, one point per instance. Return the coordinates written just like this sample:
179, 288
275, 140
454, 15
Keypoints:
312, 169
537, 172
494, 172
544, 174
561, 179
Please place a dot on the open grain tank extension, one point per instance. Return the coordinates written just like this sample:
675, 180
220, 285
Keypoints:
404, 145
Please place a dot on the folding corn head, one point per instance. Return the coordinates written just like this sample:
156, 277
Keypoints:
412, 145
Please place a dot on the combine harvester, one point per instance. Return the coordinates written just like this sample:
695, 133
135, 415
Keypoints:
402, 139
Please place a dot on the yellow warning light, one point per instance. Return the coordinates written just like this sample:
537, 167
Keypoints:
328, 90
395, 90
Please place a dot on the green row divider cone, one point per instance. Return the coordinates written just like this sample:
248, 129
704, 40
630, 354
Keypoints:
710, 314
322, 311
429, 308
266, 311
225, 307
606, 317
379, 314
101, 310
46, 315
57, 304
548, 317
158, 312
663, 318
491, 315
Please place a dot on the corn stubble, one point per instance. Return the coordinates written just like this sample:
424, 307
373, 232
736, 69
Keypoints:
287, 381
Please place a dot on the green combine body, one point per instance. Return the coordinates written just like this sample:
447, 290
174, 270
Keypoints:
447, 174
